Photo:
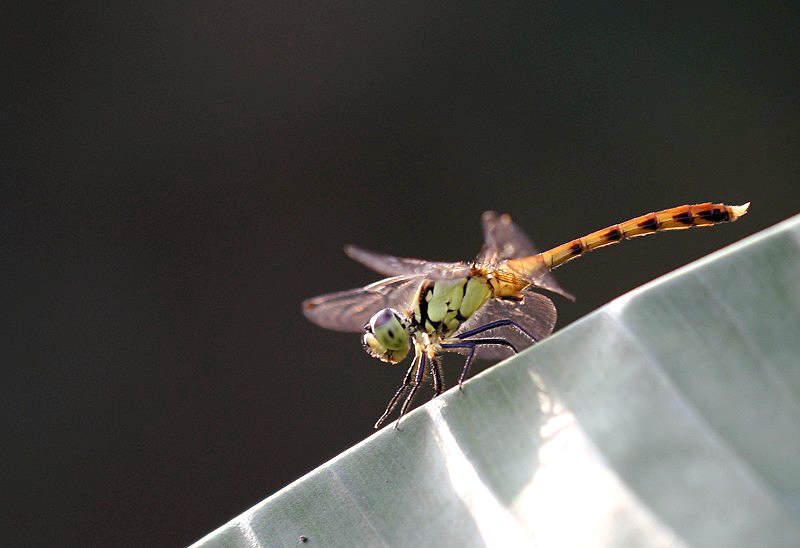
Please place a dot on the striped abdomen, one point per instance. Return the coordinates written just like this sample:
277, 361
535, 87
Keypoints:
675, 218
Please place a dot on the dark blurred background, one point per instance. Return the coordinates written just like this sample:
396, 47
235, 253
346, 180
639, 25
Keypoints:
177, 177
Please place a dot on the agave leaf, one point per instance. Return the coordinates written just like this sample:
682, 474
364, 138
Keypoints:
671, 416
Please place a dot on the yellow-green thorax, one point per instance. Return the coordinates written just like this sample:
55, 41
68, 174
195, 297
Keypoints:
443, 305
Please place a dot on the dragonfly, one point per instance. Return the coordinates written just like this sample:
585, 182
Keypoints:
488, 307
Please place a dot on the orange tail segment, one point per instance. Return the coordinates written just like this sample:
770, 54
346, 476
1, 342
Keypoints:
676, 218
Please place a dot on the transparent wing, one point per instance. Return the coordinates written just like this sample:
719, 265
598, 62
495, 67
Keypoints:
349, 310
502, 239
536, 313
389, 265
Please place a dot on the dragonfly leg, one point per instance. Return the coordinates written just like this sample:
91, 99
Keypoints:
492, 325
414, 387
438, 375
399, 393
472, 344
466, 344
391, 406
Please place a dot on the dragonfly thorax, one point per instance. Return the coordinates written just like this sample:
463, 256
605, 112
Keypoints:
443, 305
386, 336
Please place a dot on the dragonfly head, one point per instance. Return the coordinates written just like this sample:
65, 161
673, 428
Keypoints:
385, 337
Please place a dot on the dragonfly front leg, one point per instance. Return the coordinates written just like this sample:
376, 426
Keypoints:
471, 344
414, 387
400, 391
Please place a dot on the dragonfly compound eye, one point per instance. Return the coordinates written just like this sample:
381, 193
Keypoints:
385, 337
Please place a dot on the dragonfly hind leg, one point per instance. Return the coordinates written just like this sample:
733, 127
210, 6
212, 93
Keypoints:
472, 344
492, 325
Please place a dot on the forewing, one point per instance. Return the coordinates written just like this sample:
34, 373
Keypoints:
389, 265
536, 314
349, 310
503, 239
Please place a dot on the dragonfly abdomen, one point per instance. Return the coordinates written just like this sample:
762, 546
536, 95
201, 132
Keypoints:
676, 218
